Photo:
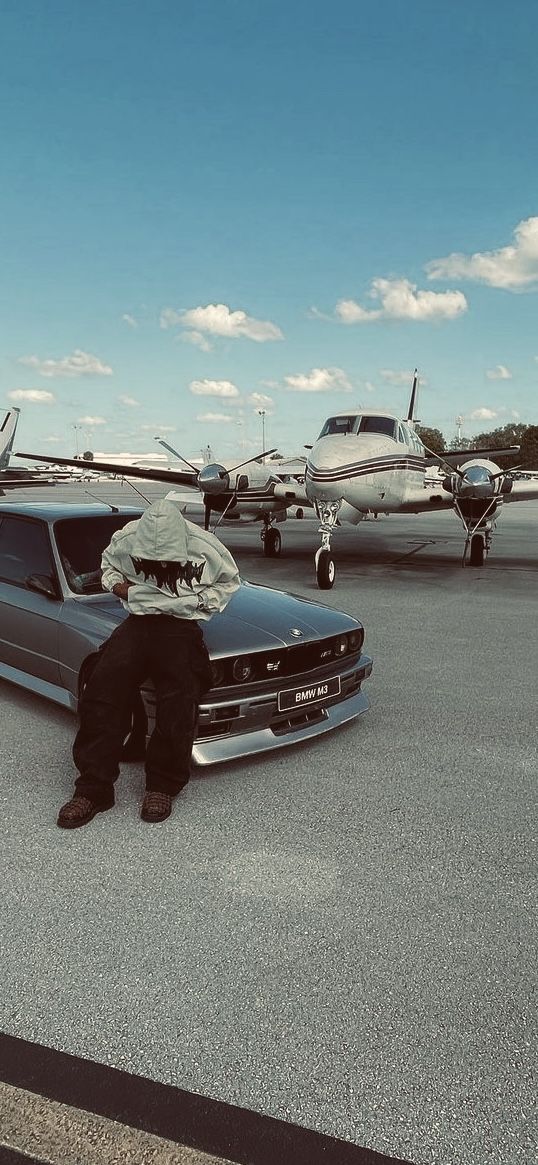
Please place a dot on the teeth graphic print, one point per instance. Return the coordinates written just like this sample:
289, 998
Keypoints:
167, 575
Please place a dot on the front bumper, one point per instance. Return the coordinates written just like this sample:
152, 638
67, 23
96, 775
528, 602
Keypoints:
251, 723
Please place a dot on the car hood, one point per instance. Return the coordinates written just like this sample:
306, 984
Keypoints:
257, 618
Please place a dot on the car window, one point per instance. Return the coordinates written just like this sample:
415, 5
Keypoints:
24, 550
81, 542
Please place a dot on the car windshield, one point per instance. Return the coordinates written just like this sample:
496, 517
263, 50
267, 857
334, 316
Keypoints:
81, 542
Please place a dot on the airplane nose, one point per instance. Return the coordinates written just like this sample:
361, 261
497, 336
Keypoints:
333, 463
324, 460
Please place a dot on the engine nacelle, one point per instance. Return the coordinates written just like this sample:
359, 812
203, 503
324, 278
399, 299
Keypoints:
214, 479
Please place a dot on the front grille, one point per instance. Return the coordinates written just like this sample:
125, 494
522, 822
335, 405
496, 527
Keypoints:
301, 659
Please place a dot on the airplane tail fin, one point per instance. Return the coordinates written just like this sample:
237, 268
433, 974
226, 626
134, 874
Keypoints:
7, 434
413, 399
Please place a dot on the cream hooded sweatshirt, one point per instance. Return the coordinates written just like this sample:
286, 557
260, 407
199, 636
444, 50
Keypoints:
173, 566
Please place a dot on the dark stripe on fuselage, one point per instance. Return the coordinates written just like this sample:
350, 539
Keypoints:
364, 468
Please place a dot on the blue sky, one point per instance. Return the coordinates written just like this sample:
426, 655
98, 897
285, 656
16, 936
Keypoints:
215, 206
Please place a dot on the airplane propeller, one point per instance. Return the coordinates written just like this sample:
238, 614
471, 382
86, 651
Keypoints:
214, 479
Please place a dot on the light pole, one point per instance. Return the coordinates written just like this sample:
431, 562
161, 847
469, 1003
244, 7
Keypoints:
261, 413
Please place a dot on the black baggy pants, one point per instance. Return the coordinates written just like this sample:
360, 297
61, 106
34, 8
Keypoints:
172, 653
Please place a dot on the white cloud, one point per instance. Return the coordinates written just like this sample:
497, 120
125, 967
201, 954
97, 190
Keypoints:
51, 440
314, 313
319, 380
515, 415
404, 377
214, 418
499, 373
513, 267
158, 428
130, 401
197, 339
36, 396
400, 300
217, 319
128, 319
369, 386
90, 421
482, 414
260, 400
222, 388
78, 364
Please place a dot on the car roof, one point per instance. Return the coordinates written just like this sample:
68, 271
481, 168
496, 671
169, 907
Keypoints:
52, 511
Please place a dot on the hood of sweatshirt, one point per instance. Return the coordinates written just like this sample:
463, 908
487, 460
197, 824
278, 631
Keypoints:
160, 552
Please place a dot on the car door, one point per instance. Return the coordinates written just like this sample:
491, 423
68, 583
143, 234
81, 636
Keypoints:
29, 617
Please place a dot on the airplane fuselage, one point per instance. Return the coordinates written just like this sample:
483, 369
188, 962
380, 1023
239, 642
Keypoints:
366, 470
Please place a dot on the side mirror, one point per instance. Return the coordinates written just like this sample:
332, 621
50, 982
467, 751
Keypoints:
43, 584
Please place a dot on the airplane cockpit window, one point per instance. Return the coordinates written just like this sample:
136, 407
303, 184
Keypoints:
338, 426
385, 426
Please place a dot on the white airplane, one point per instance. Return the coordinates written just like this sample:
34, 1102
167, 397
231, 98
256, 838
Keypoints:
363, 463
7, 434
11, 478
374, 462
247, 491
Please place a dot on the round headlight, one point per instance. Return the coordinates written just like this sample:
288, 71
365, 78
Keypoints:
242, 669
340, 645
355, 639
217, 673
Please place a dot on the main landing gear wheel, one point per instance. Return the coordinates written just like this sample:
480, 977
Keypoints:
299, 513
325, 571
476, 556
272, 543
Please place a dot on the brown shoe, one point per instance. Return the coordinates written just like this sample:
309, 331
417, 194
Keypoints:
156, 806
78, 811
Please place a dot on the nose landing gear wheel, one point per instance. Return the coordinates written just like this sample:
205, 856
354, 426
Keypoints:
272, 543
476, 556
325, 571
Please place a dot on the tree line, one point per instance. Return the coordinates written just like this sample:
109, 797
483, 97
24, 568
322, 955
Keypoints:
526, 436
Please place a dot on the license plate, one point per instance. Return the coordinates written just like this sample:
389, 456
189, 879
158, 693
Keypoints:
310, 694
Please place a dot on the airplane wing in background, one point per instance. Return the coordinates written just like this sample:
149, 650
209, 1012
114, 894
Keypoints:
175, 476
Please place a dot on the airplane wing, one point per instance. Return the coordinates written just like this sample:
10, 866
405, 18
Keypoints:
421, 499
292, 466
523, 491
175, 476
291, 493
456, 456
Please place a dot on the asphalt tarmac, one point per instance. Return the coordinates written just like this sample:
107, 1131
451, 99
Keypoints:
339, 935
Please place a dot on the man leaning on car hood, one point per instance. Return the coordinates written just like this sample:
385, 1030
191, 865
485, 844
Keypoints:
170, 575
